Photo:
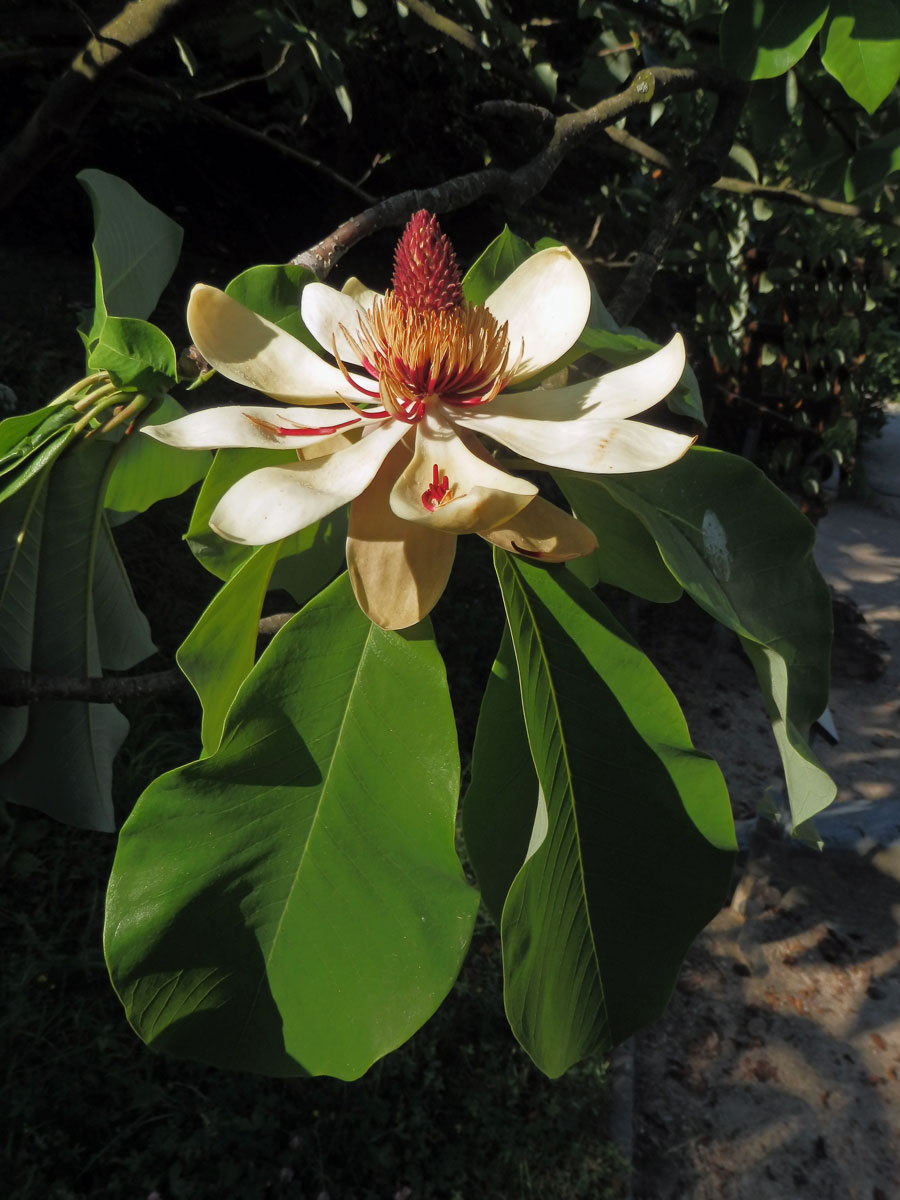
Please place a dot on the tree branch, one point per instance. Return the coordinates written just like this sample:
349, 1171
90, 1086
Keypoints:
74, 93
518, 185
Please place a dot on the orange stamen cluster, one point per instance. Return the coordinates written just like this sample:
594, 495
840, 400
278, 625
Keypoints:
421, 341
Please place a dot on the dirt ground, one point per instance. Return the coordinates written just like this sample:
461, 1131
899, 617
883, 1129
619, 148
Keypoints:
776, 1069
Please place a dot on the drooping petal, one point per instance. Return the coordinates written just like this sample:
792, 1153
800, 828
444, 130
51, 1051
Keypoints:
448, 487
275, 502
250, 350
541, 530
545, 302
324, 311
589, 442
398, 569
251, 425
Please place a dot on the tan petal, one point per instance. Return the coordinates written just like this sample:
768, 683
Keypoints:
477, 494
250, 350
398, 570
543, 531
545, 303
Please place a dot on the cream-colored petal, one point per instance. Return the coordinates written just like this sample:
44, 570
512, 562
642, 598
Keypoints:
250, 350
275, 502
330, 445
251, 425
364, 296
398, 569
588, 443
324, 311
543, 531
545, 302
478, 495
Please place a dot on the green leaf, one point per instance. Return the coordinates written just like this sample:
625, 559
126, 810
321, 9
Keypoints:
64, 764
293, 904
861, 49
633, 851
219, 652
19, 472
742, 550
626, 555
123, 633
136, 248
760, 39
21, 524
870, 168
496, 263
21, 434
499, 806
136, 354
274, 293
146, 470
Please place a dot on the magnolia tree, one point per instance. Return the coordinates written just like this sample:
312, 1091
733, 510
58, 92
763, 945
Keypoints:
293, 902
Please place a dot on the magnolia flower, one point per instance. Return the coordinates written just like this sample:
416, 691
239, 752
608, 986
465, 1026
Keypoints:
394, 426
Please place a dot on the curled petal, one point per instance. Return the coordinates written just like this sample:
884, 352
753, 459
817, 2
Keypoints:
253, 425
324, 311
448, 487
364, 296
543, 531
250, 350
398, 569
545, 303
275, 502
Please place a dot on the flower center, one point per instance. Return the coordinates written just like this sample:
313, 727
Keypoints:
422, 341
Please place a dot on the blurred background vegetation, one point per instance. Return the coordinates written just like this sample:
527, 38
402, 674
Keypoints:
260, 128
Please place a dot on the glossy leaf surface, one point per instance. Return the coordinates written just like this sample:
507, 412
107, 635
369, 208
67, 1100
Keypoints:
293, 904
633, 851
273, 291
764, 38
136, 354
861, 48
742, 550
493, 265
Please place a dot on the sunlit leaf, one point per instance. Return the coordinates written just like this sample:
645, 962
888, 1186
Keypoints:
274, 293
764, 38
135, 353
496, 263
861, 49
293, 904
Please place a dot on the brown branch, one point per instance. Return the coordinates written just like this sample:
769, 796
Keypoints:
518, 185
701, 172
745, 187
74, 93
19, 688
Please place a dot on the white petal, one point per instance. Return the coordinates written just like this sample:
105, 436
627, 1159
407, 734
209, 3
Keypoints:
323, 311
479, 496
218, 428
546, 302
364, 296
277, 501
250, 350
635, 388
589, 443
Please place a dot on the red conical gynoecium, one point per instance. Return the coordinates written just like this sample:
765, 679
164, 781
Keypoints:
426, 275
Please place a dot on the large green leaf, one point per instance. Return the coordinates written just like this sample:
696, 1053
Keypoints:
627, 556
741, 549
146, 470
135, 353
218, 653
64, 764
136, 248
21, 523
499, 260
632, 847
861, 48
274, 293
293, 904
123, 632
499, 804
20, 471
760, 39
